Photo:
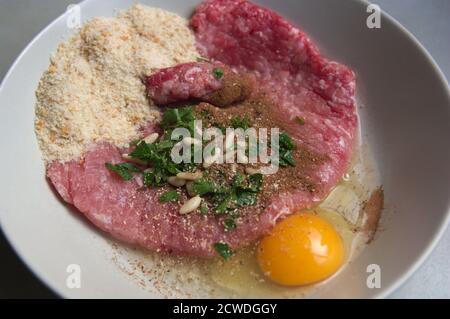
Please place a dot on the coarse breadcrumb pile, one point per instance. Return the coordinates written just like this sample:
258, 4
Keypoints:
92, 90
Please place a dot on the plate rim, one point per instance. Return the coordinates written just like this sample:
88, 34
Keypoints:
384, 292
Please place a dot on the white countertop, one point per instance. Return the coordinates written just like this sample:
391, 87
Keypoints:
428, 20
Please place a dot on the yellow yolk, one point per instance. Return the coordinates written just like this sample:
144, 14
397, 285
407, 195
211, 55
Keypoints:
302, 249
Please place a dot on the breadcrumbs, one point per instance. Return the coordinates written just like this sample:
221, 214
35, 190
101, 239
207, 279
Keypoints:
92, 90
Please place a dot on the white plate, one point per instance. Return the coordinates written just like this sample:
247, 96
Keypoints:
405, 114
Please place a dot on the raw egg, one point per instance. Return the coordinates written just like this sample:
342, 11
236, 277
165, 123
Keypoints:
301, 249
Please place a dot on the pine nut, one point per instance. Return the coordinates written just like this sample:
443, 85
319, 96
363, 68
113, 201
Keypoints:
190, 176
191, 205
150, 139
251, 170
268, 170
207, 164
139, 180
190, 189
128, 158
175, 181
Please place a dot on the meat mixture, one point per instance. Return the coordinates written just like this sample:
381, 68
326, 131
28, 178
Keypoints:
254, 70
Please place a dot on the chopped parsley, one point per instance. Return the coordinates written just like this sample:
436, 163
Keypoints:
170, 196
255, 182
180, 117
286, 147
225, 199
223, 250
248, 195
223, 194
124, 170
238, 180
224, 203
246, 198
220, 127
157, 155
229, 223
240, 122
203, 186
286, 142
218, 73
204, 209
287, 158
153, 179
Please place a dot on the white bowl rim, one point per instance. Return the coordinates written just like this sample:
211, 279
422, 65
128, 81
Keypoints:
443, 227
384, 292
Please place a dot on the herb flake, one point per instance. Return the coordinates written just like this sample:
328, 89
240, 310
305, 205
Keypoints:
286, 146
223, 250
229, 224
218, 73
124, 170
204, 208
240, 122
179, 117
170, 196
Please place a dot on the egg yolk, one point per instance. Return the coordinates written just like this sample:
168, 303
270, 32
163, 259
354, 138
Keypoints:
302, 249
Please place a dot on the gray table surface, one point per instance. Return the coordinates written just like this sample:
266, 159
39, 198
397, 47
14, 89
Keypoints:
428, 20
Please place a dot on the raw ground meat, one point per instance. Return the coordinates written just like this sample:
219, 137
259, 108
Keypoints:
198, 81
290, 70
183, 82
292, 73
136, 216
242, 34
